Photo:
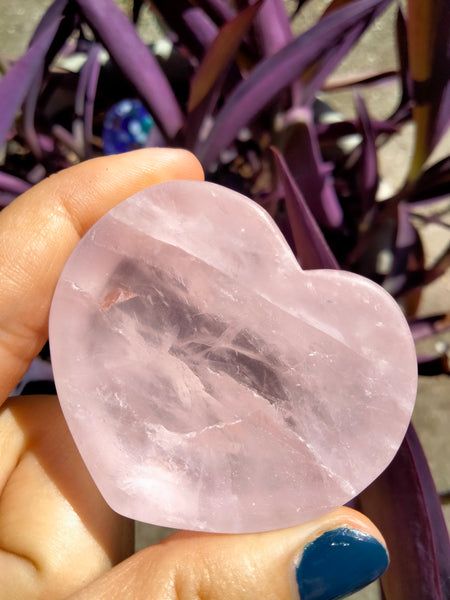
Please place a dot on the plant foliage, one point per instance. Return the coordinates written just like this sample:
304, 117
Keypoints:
242, 91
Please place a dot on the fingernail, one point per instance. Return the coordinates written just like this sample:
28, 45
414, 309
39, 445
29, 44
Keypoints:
338, 563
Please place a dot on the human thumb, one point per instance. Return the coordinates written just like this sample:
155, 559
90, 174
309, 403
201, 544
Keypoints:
321, 560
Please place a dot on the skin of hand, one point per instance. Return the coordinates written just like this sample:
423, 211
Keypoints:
58, 538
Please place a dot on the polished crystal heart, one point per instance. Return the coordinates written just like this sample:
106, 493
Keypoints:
208, 381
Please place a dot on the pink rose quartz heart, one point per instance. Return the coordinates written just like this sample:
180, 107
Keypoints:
209, 382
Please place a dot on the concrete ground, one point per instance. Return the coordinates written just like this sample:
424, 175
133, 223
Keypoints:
432, 413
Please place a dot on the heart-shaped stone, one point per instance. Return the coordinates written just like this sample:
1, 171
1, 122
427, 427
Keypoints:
208, 381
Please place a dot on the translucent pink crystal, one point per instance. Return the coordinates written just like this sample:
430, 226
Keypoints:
208, 381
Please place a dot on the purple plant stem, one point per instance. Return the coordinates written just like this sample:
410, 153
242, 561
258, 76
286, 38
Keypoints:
67, 139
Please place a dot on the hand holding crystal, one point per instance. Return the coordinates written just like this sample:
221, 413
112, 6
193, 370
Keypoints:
58, 537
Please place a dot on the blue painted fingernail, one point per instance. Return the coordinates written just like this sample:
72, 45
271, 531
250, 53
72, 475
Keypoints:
338, 563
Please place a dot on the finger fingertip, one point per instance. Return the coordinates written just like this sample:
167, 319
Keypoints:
171, 163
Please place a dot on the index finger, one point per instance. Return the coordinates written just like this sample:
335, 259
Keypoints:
41, 228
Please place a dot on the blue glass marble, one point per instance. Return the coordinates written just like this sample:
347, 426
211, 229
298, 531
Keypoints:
126, 127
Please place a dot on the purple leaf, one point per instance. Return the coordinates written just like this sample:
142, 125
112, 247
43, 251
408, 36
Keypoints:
271, 31
135, 61
85, 96
433, 183
440, 86
39, 370
272, 28
312, 250
331, 132
315, 76
219, 11
442, 110
402, 50
201, 114
367, 164
408, 267
67, 139
424, 327
52, 15
300, 149
433, 364
220, 54
61, 44
299, 4
404, 505
13, 185
276, 72
6, 198
91, 90
137, 6
406, 239
193, 27
29, 111
342, 82
435, 219
15, 85
331, 58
